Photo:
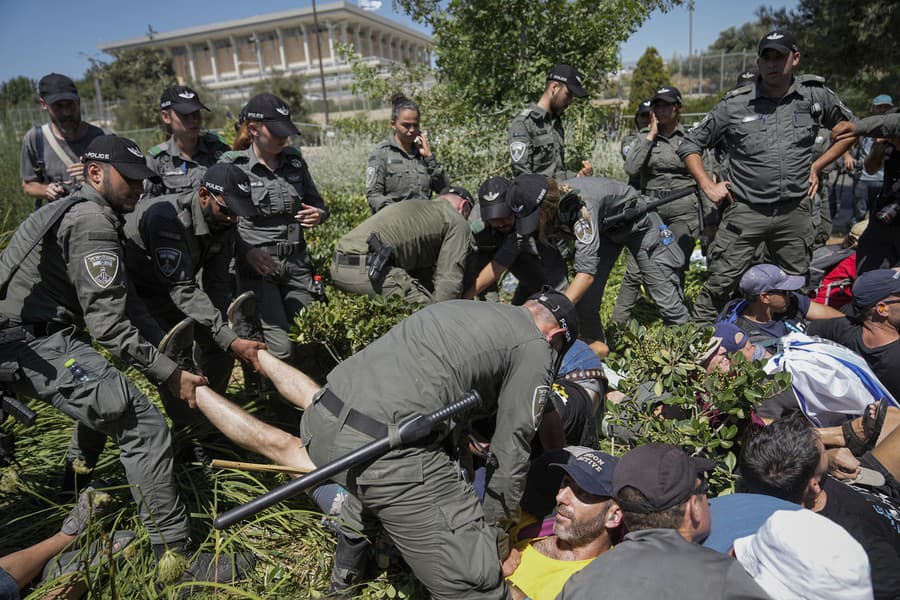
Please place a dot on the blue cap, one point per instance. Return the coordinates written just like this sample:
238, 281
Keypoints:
873, 286
592, 471
768, 278
882, 99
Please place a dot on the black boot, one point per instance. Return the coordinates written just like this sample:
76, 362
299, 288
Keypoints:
206, 566
350, 559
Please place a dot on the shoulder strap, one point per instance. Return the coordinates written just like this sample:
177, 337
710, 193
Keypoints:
39, 146
57, 149
33, 230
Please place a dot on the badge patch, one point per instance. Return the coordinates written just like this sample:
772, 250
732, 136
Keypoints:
370, 176
102, 267
295, 162
168, 259
517, 150
538, 401
583, 229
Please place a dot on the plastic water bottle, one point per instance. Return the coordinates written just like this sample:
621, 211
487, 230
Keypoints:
79, 374
666, 237
318, 290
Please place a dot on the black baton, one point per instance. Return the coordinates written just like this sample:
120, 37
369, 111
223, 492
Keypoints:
410, 430
614, 220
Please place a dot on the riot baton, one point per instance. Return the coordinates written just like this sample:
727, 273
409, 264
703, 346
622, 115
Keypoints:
412, 429
631, 215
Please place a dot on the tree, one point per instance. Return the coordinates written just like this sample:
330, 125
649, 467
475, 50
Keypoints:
747, 36
649, 75
135, 79
291, 89
492, 52
16, 91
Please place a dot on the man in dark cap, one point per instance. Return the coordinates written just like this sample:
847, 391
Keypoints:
772, 175
536, 137
64, 285
507, 354
662, 493
875, 333
415, 249
51, 153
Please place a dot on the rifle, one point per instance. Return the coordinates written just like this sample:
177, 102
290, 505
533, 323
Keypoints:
642, 206
13, 407
410, 430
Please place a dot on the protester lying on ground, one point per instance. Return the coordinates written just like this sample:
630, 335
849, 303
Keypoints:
834, 289
662, 494
799, 554
787, 460
585, 525
771, 307
875, 333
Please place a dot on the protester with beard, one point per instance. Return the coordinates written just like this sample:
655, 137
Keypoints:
272, 259
51, 153
536, 137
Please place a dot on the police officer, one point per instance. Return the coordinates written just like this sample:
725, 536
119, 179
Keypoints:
654, 160
181, 160
536, 137
641, 127
879, 246
64, 285
51, 153
415, 249
171, 240
506, 353
575, 210
769, 129
272, 259
402, 166
499, 250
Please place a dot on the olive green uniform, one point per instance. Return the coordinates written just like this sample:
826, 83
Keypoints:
277, 197
660, 172
430, 243
75, 279
393, 175
769, 144
425, 363
624, 148
596, 252
537, 144
180, 174
168, 246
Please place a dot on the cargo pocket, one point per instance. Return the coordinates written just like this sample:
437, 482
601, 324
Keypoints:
467, 552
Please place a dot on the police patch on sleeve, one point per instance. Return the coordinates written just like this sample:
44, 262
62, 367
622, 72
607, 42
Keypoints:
168, 260
102, 268
583, 229
370, 176
538, 401
517, 150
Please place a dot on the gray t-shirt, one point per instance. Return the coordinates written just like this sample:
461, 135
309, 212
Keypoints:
54, 168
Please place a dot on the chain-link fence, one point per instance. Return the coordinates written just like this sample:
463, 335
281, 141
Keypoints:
712, 72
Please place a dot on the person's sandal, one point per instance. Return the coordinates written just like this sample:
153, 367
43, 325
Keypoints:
871, 430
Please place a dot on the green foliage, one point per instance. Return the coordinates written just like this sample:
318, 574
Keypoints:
136, 78
700, 104
17, 91
290, 88
712, 412
649, 75
747, 36
496, 52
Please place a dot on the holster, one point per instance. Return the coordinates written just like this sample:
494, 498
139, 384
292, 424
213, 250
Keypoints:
378, 259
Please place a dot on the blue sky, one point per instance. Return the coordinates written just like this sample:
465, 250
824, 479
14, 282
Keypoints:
52, 35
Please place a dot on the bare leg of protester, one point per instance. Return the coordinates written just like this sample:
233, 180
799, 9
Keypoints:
291, 383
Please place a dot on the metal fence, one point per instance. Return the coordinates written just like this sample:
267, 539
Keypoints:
712, 72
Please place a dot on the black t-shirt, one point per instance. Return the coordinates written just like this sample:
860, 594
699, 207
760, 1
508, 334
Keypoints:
874, 522
884, 360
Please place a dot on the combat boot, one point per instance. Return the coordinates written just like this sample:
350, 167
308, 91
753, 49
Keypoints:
243, 318
178, 344
200, 566
351, 557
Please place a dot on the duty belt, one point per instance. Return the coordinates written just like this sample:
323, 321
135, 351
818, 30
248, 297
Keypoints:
665, 192
361, 422
282, 249
349, 260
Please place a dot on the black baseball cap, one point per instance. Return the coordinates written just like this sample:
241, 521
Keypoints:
663, 473
524, 197
668, 94
181, 99
273, 111
643, 108
230, 182
782, 42
592, 471
461, 192
55, 87
569, 76
745, 78
873, 286
122, 153
562, 308
492, 198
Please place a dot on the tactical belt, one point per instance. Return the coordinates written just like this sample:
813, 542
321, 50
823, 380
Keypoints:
282, 249
661, 193
349, 260
581, 374
355, 419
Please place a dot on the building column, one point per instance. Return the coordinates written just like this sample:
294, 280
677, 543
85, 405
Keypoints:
331, 53
212, 59
190, 55
281, 49
381, 53
234, 55
259, 60
358, 45
305, 44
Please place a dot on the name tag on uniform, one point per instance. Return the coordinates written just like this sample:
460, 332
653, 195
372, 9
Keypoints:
255, 183
750, 118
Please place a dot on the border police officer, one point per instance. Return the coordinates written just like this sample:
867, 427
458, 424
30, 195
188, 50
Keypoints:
769, 129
